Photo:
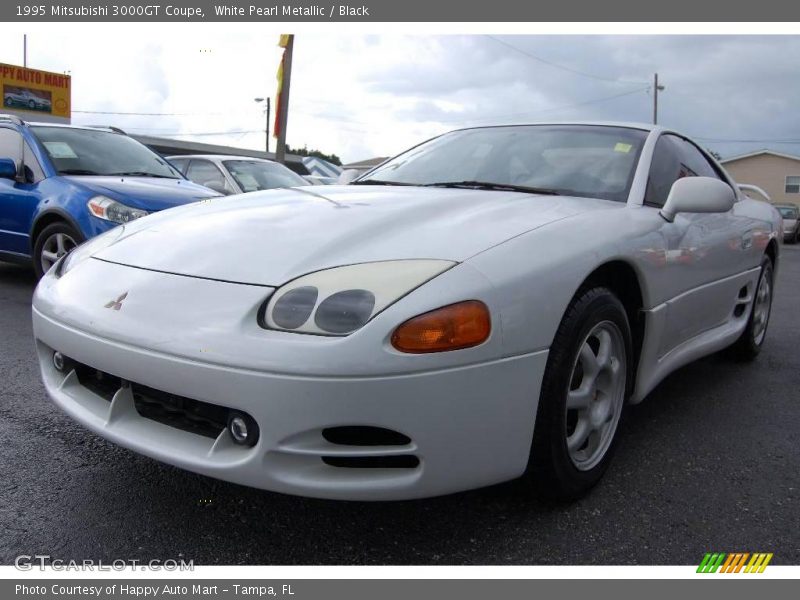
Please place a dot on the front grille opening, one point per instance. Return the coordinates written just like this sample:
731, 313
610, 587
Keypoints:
404, 461
181, 413
743, 292
101, 383
739, 310
362, 435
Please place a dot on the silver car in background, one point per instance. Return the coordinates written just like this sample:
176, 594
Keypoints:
791, 222
236, 174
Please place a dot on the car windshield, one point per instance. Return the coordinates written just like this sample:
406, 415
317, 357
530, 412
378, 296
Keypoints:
788, 212
76, 151
578, 160
254, 175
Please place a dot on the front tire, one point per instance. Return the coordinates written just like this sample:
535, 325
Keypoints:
582, 397
749, 344
55, 240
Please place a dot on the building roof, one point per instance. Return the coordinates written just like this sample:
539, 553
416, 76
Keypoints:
758, 153
367, 163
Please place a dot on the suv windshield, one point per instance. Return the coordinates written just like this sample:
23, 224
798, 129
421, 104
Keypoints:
253, 175
76, 151
578, 160
788, 212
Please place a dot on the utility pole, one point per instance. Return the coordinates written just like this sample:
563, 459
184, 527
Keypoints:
656, 88
283, 100
267, 112
25, 50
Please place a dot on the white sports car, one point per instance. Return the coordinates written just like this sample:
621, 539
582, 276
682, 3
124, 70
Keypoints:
477, 309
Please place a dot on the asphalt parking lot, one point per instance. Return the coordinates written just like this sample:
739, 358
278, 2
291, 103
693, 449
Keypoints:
709, 462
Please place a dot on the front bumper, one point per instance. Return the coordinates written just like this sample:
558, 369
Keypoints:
469, 425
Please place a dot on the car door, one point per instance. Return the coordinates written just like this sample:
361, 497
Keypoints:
18, 200
707, 255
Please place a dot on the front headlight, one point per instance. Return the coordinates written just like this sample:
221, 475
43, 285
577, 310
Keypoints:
87, 249
111, 210
341, 300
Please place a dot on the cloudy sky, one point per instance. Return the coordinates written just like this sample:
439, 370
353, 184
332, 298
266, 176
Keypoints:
360, 96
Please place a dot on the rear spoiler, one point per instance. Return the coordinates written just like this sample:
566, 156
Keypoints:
746, 187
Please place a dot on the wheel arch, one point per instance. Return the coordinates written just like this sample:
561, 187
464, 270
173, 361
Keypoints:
772, 251
49, 217
623, 280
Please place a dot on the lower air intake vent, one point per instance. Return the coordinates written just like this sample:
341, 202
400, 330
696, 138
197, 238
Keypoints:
189, 415
362, 435
372, 462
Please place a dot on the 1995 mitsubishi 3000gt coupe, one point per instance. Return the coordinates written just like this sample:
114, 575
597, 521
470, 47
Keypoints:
478, 309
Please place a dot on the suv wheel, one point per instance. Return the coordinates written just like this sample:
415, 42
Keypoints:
54, 241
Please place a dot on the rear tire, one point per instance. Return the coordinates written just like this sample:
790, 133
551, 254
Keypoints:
582, 398
749, 344
53, 242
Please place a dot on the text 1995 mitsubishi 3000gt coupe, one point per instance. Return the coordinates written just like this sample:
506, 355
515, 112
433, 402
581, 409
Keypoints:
477, 309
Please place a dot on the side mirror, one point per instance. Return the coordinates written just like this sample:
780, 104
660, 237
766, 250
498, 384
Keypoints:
8, 168
698, 195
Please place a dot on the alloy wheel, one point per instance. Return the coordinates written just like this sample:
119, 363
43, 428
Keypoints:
54, 247
596, 395
762, 307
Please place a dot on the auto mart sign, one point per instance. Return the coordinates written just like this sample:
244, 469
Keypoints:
35, 95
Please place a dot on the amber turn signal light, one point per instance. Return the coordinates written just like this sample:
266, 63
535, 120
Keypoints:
451, 327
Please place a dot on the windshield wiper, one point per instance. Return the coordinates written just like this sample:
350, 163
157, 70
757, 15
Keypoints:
77, 172
500, 187
139, 174
379, 182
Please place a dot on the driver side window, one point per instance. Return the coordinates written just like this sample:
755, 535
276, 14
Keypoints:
674, 158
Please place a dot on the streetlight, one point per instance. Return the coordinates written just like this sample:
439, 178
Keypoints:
267, 101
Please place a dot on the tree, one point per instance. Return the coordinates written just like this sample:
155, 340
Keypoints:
716, 155
304, 151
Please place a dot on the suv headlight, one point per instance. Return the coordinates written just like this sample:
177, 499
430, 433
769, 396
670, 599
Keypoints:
105, 208
87, 250
340, 300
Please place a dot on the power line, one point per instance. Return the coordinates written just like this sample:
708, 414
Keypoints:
750, 141
549, 110
205, 133
563, 67
141, 114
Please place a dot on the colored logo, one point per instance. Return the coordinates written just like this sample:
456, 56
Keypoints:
735, 562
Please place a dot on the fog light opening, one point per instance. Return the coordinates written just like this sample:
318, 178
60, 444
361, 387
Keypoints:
59, 362
242, 429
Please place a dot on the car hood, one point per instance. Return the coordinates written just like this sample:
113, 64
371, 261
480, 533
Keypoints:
146, 193
270, 237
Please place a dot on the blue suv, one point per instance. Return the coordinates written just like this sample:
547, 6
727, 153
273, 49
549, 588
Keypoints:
61, 185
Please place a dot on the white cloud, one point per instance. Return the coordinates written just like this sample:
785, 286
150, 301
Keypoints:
365, 95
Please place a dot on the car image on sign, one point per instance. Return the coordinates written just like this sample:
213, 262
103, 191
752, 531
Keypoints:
478, 309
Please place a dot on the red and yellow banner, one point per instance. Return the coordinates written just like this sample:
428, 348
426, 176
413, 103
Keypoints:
30, 91
283, 42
